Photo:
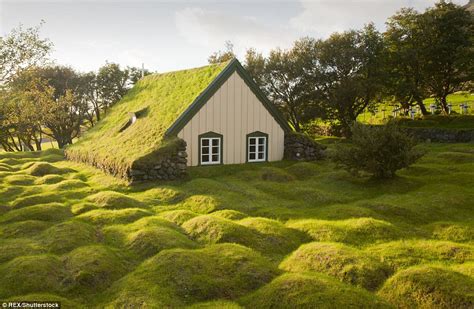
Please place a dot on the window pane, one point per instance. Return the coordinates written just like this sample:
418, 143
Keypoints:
205, 142
205, 158
215, 158
261, 141
205, 150
251, 156
215, 150
260, 148
215, 142
252, 149
252, 140
260, 156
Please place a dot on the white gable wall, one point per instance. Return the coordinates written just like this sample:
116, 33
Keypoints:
233, 111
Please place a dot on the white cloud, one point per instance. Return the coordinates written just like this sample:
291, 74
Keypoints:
322, 17
209, 28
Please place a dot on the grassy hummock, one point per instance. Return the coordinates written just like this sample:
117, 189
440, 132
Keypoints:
158, 100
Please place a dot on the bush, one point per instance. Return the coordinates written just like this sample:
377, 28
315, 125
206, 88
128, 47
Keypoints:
429, 287
380, 151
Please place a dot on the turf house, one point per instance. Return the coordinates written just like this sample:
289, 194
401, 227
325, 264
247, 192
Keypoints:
204, 116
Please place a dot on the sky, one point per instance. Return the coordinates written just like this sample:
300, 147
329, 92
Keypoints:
172, 35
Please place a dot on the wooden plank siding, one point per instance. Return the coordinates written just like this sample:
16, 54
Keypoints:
233, 111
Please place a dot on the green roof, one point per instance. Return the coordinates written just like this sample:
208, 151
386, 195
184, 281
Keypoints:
158, 100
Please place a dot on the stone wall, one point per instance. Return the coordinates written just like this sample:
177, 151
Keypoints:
168, 167
301, 147
442, 135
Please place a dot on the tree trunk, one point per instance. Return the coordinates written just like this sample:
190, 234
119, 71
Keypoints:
422, 106
444, 104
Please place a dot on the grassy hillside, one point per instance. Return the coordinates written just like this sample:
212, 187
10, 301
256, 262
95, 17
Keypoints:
276, 235
157, 100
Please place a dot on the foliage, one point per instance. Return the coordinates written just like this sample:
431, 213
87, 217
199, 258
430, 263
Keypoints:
222, 56
380, 151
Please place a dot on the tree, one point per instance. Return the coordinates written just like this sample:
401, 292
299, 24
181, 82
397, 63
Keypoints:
351, 66
20, 50
223, 56
447, 31
255, 65
403, 39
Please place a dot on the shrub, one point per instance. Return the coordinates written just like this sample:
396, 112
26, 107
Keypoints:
311, 291
380, 151
345, 263
429, 287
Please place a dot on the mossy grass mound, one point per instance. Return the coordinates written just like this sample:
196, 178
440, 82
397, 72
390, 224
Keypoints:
429, 287
12, 248
229, 214
303, 170
465, 268
36, 199
149, 241
65, 303
45, 212
162, 195
401, 254
177, 277
457, 157
451, 231
82, 207
222, 304
5, 167
275, 174
276, 236
202, 204
64, 237
19, 180
114, 200
158, 100
210, 230
21, 229
93, 268
31, 274
311, 291
343, 262
44, 168
113, 216
358, 231
69, 184
178, 216
48, 179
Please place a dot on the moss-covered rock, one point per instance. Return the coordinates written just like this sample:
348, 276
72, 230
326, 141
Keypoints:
429, 287
311, 291
44, 168
229, 214
343, 262
113, 216
36, 199
22, 229
451, 231
202, 204
19, 180
15, 247
49, 179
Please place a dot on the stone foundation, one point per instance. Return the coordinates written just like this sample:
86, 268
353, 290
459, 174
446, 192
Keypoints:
302, 148
170, 167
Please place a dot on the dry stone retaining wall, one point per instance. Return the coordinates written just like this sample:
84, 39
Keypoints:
301, 147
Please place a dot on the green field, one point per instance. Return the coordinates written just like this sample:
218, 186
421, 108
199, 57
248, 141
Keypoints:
276, 235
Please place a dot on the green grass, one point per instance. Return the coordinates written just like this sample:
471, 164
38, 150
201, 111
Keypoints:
272, 235
158, 99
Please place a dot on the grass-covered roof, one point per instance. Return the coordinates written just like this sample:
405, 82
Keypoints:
157, 100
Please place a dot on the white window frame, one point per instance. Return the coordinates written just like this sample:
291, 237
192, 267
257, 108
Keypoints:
210, 146
257, 152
